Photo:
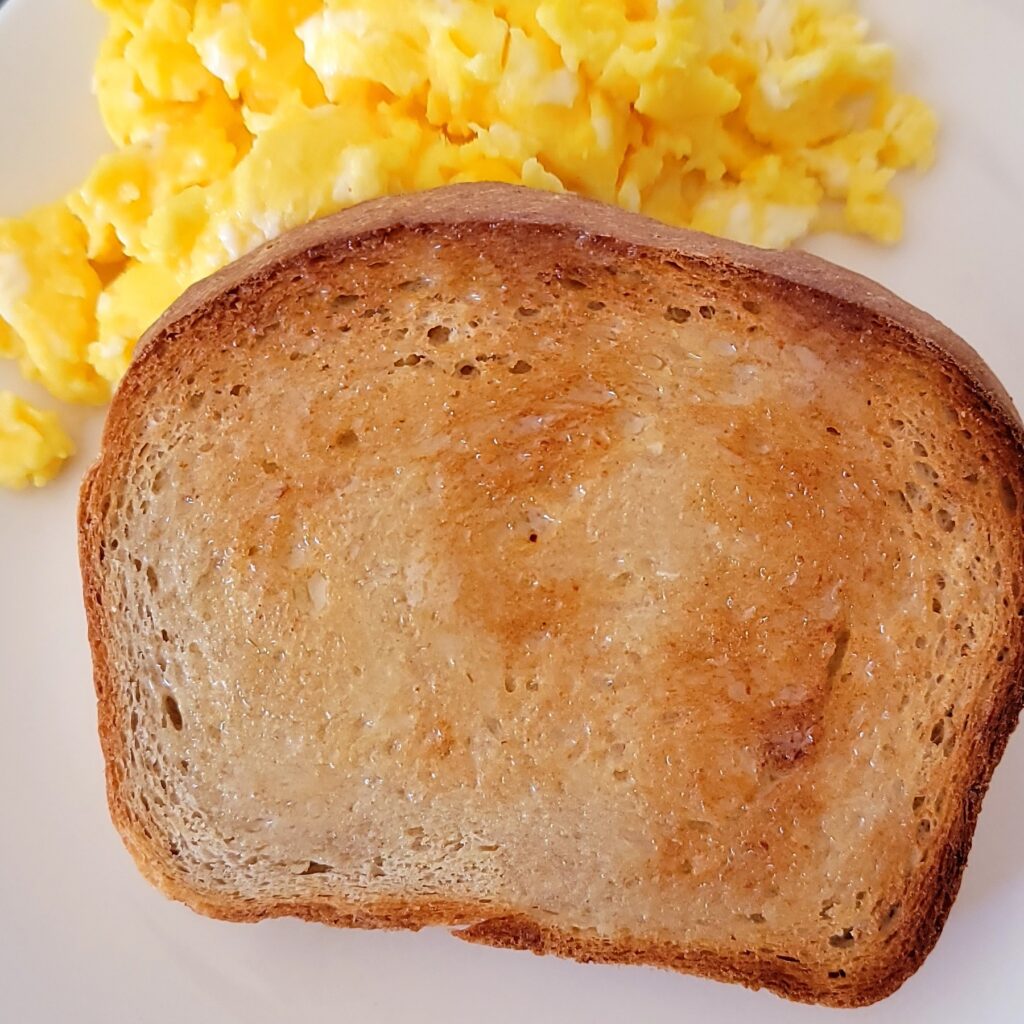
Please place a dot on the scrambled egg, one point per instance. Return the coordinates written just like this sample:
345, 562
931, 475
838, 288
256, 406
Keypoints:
32, 443
760, 120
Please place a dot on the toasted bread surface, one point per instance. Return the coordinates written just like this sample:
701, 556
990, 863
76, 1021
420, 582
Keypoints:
502, 561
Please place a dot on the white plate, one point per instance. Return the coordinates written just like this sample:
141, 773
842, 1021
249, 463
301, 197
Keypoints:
83, 938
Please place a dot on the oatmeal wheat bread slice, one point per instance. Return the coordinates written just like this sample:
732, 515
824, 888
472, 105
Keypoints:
499, 560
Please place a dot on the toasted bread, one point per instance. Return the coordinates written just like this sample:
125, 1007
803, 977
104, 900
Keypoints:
503, 561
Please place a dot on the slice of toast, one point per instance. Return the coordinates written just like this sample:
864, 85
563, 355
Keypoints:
499, 560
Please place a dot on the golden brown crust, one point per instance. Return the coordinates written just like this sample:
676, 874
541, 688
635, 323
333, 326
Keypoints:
797, 279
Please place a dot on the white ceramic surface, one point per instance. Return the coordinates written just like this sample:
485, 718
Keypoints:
83, 938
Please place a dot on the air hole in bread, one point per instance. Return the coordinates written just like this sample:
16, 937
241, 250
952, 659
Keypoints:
757, 918
527, 311
843, 940
752, 307
677, 314
836, 660
787, 959
467, 370
413, 283
707, 312
173, 712
946, 521
1008, 495
595, 305
315, 867
832, 431
410, 360
520, 366
346, 439
573, 282
439, 334
938, 731
837, 974
343, 300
